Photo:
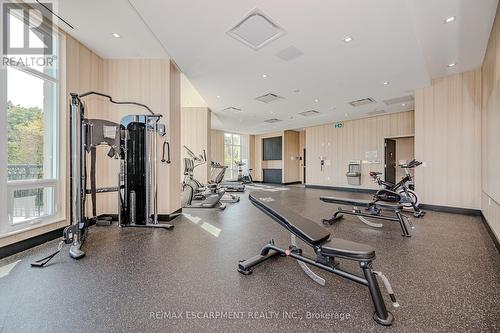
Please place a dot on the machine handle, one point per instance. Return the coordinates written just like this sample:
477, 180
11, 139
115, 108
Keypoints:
165, 143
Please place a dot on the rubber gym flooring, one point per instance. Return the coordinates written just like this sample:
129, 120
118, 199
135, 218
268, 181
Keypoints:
446, 277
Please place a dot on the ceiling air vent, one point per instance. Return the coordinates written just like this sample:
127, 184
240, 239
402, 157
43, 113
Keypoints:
289, 53
310, 113
399, 100
269, 98
232, 109
272, 120
361, 102
256, 30
376, 112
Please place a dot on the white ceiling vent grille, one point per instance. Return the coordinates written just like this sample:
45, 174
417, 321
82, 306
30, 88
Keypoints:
399, 100
232, 109
269, 98
376, 112
361, 102
289, 53
272, 120
310, 113
256, 30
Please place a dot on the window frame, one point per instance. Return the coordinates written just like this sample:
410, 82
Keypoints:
57, 122
232, 168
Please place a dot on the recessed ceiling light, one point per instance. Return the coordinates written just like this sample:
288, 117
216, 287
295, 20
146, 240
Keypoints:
449, 19
346, 115
218, 96
116, 35
452, 64
386, 83
348, 39
316, 100
264, 75
403, 104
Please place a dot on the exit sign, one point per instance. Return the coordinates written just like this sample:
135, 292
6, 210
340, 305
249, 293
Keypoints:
339, 125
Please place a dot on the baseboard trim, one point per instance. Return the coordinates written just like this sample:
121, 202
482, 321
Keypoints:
452, 210
26, 244
292, 183
496, 241
341, 188
171, 216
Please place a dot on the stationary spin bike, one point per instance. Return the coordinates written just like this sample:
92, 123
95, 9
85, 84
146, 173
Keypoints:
407, 196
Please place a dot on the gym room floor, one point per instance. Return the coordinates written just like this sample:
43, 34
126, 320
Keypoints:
446, 277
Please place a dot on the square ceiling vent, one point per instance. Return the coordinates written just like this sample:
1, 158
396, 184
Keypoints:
361, 102
256, 30
269, 98
309, 113
272, 120
399, 100
232, 109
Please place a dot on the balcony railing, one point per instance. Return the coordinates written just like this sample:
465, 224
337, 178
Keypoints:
26, 203
24, 171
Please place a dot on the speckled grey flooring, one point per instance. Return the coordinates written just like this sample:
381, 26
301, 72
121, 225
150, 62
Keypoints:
446, 277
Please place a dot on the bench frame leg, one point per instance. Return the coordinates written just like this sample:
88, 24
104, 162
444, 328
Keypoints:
381, 315
400, 218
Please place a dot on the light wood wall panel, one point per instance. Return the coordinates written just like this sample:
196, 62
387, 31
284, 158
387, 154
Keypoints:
337, 146
291, 154
448, 140
195, 134
146, 81
490, 159
217, 146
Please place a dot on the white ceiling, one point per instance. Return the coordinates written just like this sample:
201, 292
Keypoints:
95, 21
403, 42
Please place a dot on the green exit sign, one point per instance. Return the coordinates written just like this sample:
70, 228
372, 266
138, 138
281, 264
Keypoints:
339, 125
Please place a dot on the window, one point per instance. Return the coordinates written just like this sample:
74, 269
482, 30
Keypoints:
30, 135
232, 153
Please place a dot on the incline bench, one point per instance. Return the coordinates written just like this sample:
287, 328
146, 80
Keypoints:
326, 249
372, 209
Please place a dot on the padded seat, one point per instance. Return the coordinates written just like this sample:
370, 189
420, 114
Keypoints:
307, 230
341, 248
393, 206
347, 201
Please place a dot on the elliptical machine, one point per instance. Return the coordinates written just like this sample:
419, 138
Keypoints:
134, 143
194, 194
406, 194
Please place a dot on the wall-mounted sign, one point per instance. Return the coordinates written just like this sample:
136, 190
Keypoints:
338, 125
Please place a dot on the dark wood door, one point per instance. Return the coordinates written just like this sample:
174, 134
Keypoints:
390, 160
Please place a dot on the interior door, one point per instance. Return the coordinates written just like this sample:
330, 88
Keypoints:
390, 160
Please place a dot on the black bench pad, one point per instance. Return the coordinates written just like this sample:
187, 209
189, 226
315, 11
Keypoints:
341, 248
347, 201
307, 230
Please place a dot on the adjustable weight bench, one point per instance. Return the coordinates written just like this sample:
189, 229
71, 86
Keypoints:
372, 209
327, 250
